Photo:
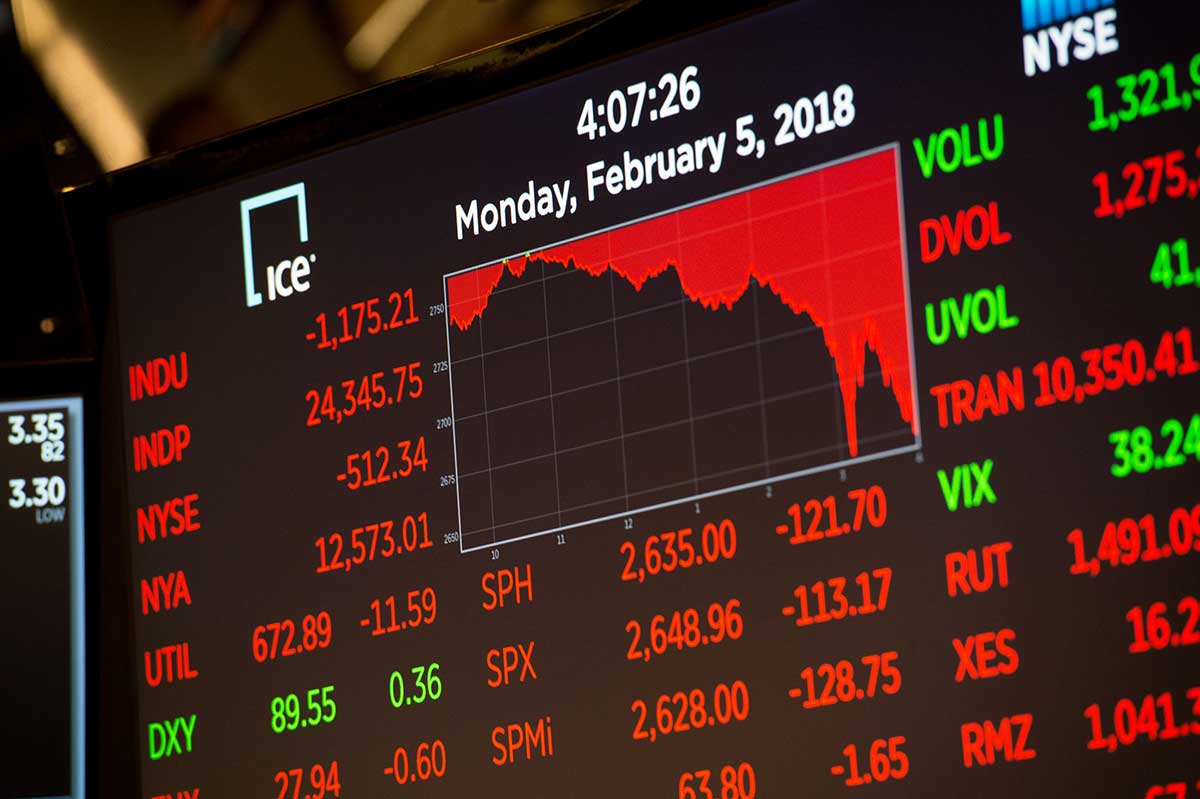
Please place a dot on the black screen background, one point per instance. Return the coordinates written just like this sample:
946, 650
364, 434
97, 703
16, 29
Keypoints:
381, 218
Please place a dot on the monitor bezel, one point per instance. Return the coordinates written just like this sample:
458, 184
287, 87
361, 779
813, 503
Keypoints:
507, 68
50, 387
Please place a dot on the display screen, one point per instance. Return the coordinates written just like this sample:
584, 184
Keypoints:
41, 598
805, 406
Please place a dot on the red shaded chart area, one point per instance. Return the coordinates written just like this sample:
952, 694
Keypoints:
827, 243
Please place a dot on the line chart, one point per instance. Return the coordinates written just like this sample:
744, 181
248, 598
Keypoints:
739, 340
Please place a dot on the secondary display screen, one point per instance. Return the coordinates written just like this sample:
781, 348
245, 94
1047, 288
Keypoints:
807, 406
41, 598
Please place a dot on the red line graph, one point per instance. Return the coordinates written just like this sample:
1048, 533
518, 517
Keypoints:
827, 243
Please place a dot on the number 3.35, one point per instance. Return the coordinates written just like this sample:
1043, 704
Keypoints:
48, 431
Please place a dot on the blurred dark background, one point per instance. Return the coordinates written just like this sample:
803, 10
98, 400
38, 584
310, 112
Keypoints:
92, 86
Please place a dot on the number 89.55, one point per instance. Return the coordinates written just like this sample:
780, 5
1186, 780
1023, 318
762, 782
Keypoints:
286, 715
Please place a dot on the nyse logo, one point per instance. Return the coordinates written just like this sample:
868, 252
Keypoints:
1057, 31
289, 275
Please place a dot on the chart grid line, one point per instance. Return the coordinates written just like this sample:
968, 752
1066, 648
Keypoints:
550, 380
687, 379
487, 432
673, 484
874, 456
612, 299
642, 311
912, 344
669, 425
758, 367
837, 410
